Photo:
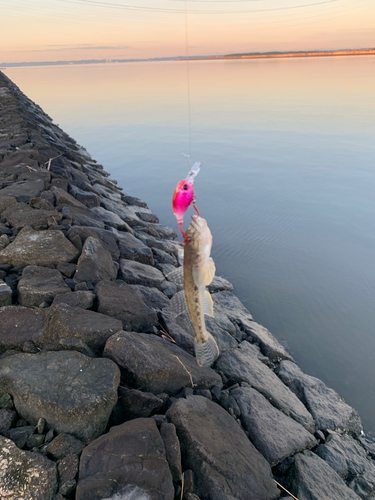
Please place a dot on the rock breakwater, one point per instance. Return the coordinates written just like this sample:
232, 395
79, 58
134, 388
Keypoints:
100, 395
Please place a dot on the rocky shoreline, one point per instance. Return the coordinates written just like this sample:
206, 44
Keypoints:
100, 394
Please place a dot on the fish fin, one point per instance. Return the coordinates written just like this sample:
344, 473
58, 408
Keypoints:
208, 304
210, 272
177, 276
207, 352
180, 255
178, 303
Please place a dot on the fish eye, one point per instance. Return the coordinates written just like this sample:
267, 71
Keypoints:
185, 186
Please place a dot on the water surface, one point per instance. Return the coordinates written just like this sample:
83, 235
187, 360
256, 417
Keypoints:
287, 184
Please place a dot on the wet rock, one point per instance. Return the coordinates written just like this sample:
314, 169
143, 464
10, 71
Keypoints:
8, 419
172, 449
83, 216
107, 238
121, 301
155, 365
95, 263
241, 365
23, 190
25, 475
151, 296
20, 215
64, 321
40, 284
135, 404
19, 325
63, 445
82, 299
328, 409
131, 457
219, 284
224, 462
5, 294
70, 391
348, 458
140, 274
274, 434
311, 477
38, 248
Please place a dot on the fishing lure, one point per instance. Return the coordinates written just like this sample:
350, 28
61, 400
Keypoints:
184, 195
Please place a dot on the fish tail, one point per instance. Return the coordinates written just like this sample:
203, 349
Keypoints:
206, 352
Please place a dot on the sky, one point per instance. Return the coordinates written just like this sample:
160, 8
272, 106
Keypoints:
56, 30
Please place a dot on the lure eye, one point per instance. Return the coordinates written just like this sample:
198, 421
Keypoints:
186, 187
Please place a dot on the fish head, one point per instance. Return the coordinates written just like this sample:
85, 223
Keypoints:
200, 236
182, 198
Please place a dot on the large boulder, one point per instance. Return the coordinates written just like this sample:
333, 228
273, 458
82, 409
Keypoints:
274, 434
121, 301
20, 215
107, 238
155, 365
64, 321
25, 475
82, 215
40, 284
38, 248
242, 365
72, 392
95, 263
137, 273
19, 325
329, 410
23, 190
131, 456
225, 464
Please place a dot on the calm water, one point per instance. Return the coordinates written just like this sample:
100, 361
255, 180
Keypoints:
287, 184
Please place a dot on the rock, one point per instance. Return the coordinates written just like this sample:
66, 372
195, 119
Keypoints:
155, 365
119, 208
65, 199
20, 215
183, 336
311, 477
64, 321
64, 445
140, 274
8, 419
274, 434
4, 241
134, 404
19, 325
5, 294
219, 284
73, 344
38, 248
328, 409
23, 190
267, 342
67, 467
66, 268
82, 299
241, 365
25, 475
95, 263
67, 488
40, 284
107, 238
131, 457
107, 192
72, 392
34, 441
109, 218
228, 304
124, 303
133, 249
152, 297
347, 457
224, 462
367, 442
89, 199
164, 257
40, 426
172, 449
20, 434
5, 201
83, 216
6, 401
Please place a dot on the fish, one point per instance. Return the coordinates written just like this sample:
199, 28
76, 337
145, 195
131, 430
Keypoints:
184, 195
196, 274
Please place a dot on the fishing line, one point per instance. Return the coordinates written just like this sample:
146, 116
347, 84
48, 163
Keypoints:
187, 156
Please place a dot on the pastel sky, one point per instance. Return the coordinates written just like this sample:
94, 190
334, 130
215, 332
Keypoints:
52, 30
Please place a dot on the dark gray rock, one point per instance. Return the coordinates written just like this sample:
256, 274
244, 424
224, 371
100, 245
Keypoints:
131, 457
38, 248
70, 391
19, 325
310, 477
107, 192
20, 215
89, 199
63, 198
274, 434
107, 238
66, 268
119, 208
109, 218
64, 321
67, 467
74, 344
8, 419
133, 249
241, 365
328, 409
172, 449
82, 299
6, 401
224, 462
95, 263
135, 404
164, 257
219, 284
23, 190
5, 294
155, 365
267, 342
64, 445
348, 458
83, 216
137, 273
181, 335
152, 296
25, 475
34, 441
20, 434
124, 303
40, 284
5, 201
